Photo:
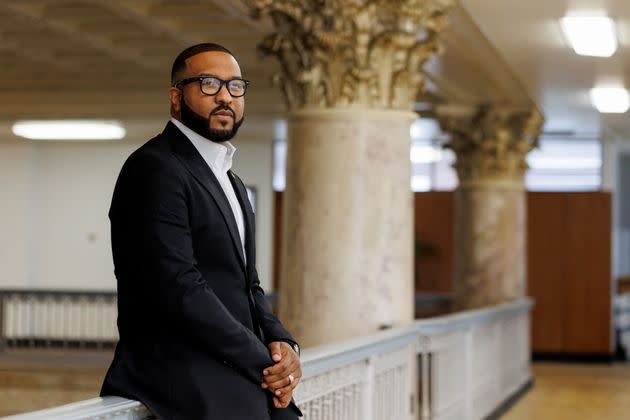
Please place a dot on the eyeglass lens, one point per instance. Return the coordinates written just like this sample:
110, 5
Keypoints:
211, 86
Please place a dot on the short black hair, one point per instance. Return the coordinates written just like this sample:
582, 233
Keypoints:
180, 62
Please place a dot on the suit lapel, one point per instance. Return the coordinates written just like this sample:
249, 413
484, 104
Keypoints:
186, 152
248, 215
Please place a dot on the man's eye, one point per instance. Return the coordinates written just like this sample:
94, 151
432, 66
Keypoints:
211, 82
237, 85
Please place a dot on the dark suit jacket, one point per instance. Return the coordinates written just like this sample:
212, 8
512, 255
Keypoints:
193, 320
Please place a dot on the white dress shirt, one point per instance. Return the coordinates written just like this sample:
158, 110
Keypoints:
218, 156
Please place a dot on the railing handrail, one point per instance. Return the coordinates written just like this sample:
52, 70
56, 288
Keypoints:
329, 356
94, 407
458, 320
336, 354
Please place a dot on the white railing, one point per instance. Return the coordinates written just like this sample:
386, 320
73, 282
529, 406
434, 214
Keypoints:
115, 408
42, 317
459, 366
359, 379
471, 362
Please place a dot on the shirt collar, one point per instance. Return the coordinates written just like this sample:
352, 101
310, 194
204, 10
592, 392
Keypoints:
217, 155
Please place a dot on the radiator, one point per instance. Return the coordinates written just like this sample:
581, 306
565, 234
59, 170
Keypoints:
47, 317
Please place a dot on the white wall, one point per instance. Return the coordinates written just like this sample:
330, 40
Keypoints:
73, 191
15, 215
54, 230
57, 213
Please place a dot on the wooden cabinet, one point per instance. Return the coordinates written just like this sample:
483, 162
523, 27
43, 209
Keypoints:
569, 272
434, 214
568, 265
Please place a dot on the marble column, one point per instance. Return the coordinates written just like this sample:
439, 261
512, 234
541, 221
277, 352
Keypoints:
350, 76
490, 209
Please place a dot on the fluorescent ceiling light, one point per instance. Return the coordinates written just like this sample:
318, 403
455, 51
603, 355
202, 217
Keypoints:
590, 35
69, 130
614, 100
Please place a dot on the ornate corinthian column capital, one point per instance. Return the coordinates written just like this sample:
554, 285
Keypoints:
352, 53
490, 142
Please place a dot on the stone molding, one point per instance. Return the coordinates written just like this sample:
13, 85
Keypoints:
491, 143
352, 53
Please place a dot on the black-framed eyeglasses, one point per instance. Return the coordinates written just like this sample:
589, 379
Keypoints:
211, 85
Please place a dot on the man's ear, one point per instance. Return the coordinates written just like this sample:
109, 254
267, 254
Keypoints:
175, 96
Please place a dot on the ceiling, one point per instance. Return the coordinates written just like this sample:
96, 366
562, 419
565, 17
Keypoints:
111, 59
528, 36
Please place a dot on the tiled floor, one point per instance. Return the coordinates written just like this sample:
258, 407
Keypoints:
576, 392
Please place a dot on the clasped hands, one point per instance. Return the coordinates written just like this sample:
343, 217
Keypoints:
277, 378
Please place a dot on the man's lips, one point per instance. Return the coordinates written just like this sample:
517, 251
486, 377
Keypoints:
224, 114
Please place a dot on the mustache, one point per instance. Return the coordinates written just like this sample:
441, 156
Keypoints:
223, 108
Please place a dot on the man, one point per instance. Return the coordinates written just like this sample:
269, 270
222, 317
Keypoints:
198, 339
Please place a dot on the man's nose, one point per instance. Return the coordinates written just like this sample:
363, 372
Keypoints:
223, 95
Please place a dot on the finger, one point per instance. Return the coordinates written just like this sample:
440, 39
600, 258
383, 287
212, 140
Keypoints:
287, 355
284, 400
280, 392
279, 369
277, 403
281, 375
281, 403
272, 379
287, 364
276, 351
284, 383
278, 384
294, 370
275, 381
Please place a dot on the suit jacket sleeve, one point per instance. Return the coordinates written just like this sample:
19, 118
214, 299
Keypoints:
166, 255
270, 324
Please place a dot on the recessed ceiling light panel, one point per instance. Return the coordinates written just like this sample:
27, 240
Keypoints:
614, 100
69, 130
590, 35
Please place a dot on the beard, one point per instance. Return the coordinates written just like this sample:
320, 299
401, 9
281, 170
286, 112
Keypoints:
201, 125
